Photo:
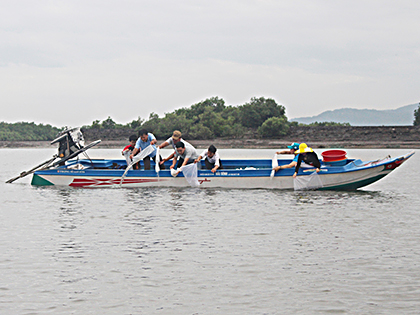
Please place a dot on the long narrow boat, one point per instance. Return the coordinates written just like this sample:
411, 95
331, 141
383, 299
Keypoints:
352, 175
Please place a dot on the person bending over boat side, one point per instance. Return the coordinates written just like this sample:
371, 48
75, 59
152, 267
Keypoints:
173, 140
128, 150
185, 154
212, 159
145, 139
308, 156
292, 149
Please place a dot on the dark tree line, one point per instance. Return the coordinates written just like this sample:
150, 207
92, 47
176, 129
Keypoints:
417, 116
212, 118
22, 131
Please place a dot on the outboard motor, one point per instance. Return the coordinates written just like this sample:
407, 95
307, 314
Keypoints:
70, 141
71, 144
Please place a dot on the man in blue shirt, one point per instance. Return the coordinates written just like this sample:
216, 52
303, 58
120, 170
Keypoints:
292, 149
145, 139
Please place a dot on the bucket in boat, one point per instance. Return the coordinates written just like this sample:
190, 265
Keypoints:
334, 157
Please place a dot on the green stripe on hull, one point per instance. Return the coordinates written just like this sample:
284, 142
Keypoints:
39, 181
355, 185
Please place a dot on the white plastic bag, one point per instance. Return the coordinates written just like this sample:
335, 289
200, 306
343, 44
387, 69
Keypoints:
274, 163
174, 172
157, 160
190, 174
307, 182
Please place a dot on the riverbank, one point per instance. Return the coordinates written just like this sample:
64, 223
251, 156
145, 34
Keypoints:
237, 144
315, 136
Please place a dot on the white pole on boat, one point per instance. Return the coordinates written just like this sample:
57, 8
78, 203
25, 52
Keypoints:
274, 163
157, 161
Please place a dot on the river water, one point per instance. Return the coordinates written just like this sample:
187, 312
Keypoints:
215, 251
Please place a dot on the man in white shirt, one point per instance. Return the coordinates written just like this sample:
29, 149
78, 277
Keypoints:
176, 137
185, 154
212, 159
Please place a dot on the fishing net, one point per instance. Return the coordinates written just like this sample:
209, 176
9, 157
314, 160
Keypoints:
126, 155
143, 153
274, 163
190, 174
308, 182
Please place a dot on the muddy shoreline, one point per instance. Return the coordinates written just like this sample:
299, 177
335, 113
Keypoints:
315, 136
236, 144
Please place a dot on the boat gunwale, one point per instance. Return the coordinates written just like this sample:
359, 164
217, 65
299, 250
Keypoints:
254, 172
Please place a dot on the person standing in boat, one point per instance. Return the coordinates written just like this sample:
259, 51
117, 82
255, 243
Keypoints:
212, 159
292, 149
128, 150
308, 156
145, 139
185, 154
173, 140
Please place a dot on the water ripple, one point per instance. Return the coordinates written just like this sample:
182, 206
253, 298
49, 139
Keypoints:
215, 251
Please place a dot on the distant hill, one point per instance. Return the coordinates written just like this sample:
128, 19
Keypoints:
365, 117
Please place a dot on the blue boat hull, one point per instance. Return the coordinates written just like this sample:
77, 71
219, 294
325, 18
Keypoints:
236, 174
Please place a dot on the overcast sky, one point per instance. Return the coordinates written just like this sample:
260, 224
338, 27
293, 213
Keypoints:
71, 62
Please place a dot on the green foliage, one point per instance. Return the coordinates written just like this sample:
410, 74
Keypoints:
254, 113
274, 127
136, 123
172, 122
108, 123
214, 103
210, 118
22, 131
204, 120
96, 124
152, 125
417, 116
199, 131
